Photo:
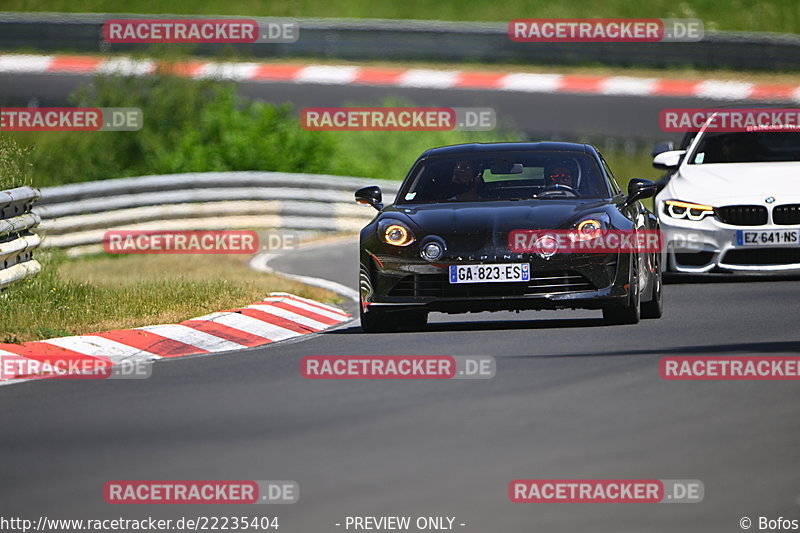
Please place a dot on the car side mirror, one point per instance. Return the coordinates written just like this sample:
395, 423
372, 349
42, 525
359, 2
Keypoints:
370, 196
639, 189
668, 160
660, 148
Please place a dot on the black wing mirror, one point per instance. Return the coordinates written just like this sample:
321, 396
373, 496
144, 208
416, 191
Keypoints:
370, 196
639, 189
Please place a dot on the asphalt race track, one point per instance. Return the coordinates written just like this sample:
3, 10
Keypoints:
572, 399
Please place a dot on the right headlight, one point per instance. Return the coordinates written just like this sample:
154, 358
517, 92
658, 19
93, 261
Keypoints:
394, 232
687, 210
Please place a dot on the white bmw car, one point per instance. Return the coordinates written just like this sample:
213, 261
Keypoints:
732, 203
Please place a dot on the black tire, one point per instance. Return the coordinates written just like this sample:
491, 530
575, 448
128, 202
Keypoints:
629, 313
375, 321
655, 307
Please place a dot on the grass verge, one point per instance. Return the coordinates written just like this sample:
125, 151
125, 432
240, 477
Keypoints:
14, 166
732, 15
100, 293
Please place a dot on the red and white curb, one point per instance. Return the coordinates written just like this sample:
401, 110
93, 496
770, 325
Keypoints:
405, 77
278, 317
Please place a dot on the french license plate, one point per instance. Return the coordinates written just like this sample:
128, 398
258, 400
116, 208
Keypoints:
490, 273
777, 237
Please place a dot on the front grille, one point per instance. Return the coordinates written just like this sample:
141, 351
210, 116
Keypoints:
439, 286
786, 214
743, 215
405, 287
762, 256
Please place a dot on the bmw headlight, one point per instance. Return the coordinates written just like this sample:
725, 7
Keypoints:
687, 210
395, 233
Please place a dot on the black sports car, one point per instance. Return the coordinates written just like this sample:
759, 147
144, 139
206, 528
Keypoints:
456, 238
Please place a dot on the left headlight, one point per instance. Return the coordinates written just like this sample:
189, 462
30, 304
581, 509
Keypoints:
395, 233
687, 210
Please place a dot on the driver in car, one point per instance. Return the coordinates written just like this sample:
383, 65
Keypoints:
561, 173
468, 179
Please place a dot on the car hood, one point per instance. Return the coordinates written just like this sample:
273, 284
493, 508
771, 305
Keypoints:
733, 183
483, 226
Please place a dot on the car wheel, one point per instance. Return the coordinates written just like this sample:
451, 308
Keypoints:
654, 308
630, 313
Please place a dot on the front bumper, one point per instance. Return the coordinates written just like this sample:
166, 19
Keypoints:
709, 245
568, 281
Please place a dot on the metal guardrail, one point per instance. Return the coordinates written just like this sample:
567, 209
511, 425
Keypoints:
17, 240
77, 216
365, 39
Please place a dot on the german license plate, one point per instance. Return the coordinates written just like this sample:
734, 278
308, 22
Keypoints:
777, 237
490, 273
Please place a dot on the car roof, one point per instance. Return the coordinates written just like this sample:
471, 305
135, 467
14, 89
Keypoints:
543, 146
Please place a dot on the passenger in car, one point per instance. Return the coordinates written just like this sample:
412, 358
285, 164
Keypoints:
468, 179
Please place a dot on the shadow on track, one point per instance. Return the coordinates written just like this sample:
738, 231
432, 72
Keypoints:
729, 349
490, 325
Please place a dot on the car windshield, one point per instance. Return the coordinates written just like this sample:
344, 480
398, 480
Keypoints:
747, 147
505, 176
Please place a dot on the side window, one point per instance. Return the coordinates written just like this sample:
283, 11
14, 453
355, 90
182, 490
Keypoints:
614, 185
412, 180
